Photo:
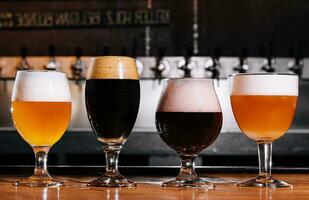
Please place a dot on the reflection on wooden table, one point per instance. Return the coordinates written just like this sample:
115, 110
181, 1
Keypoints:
149, 188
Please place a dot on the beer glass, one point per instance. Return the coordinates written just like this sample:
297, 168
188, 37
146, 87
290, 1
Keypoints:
264, 106
41, 110
188, 120
112, 102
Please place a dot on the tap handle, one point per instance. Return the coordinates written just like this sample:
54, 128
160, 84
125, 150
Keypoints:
51, 51
243, 55
78, 52
215, 68
217, 53
23, 52
161, 52
159, 67
189, 54
271, 51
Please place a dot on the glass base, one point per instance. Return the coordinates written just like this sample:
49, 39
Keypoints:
264, 182
195, 183
34, 181
108, 181
218, 180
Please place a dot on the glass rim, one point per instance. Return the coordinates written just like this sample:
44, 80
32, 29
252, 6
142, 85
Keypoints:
113, 57
112, 62
194, 79
40, 71
264, 73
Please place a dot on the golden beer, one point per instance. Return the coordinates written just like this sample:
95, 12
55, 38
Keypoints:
264, 118
41, 110
264, 105
41, 123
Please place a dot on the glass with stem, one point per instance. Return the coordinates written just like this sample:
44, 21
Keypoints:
264, 105
112, 102
41, 110
188, 120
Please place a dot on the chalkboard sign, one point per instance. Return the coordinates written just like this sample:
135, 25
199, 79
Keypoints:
84, 18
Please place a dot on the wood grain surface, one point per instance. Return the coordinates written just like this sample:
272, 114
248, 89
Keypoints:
149, 188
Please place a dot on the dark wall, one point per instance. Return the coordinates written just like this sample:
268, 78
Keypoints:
258, 25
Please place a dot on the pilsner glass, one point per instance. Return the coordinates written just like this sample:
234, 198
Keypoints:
41, 110
188, 120
112, 102
264, 105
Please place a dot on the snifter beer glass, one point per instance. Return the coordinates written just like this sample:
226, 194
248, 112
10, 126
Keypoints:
41, 110
112, 101
188, 119
264, 106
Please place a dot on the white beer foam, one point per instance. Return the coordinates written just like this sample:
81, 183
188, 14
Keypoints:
263, 84
189, 95
47, 86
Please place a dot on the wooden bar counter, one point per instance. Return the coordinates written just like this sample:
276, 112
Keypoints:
149, 188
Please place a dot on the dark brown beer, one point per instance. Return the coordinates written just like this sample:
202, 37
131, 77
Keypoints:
189, 132
112, 107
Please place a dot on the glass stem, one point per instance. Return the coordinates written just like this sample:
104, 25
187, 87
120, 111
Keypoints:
111, 154
265, 159
41, 154
187, 167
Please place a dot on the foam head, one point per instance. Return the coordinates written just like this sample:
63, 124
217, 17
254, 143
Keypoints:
189, 95
43, 86
113, 67
264, 84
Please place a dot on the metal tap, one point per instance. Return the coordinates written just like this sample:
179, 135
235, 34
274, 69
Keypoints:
216, 65
243, 66
185, 64
160, 66
78, 66
24, 65
298, 64
268, 65
52, 63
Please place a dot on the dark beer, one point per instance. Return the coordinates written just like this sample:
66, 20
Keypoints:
112, 102
112, 107
189, 132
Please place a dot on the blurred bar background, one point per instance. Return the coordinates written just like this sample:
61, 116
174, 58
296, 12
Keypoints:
169, 39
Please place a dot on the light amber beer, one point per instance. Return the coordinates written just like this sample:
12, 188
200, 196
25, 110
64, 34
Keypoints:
264, 105
41, 123
264, 118
41, 110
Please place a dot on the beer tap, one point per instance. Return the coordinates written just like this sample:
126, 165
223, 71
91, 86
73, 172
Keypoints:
160, 66
216, 65
243, 62
52, 63
268, 65
78, 66
185, 64
298, 64
24, 65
